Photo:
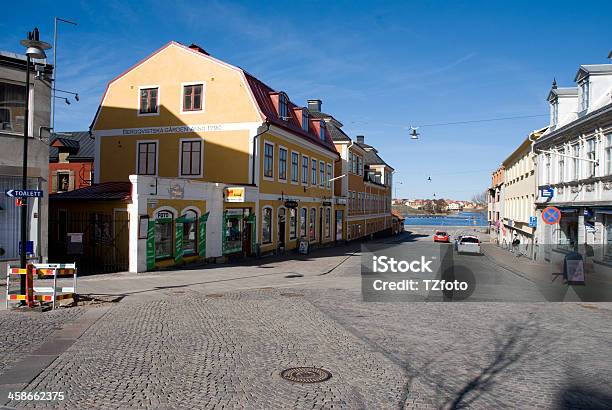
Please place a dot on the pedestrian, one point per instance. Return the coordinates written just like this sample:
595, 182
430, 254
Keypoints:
515, 243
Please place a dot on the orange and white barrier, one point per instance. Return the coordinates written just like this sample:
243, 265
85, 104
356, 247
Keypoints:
51, 294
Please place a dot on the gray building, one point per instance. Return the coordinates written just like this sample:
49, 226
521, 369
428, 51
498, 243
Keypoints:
12, 113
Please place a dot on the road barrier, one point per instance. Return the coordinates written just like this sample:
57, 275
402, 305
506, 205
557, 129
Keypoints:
51, 294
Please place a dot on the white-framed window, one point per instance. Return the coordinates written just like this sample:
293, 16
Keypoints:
329, 175
282, 163
266, 225
282, 106
305, 121
359, 165
609, 154
268, 160
12, 101
555, 112
295, 158
304, 170
292, 223
591, 146
313, 171
547, 169
561, 169
146, 161
584, 95
321, 173
148, 100
193, 97
303, 222
191, 157
576, 164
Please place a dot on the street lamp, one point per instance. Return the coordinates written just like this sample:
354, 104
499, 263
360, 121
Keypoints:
34, 49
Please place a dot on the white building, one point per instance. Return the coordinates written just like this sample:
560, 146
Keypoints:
519, 195
574, 159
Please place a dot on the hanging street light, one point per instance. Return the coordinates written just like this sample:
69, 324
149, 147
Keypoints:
414, 134
34, 49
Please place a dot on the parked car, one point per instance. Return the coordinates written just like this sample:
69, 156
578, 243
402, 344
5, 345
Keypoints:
469, 244
441, 236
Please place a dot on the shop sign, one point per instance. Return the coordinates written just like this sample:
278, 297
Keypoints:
291, 204
303, 247
234, 194
590, 227
164, 215
327, 203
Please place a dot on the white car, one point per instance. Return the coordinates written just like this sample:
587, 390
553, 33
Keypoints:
469, 244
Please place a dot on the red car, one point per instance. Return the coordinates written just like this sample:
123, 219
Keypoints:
441, 236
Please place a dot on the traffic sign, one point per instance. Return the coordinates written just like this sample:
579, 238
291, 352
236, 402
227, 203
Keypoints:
551, 215
533, 222
547, 192
24, 193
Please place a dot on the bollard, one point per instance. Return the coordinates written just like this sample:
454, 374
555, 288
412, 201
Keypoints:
29, 286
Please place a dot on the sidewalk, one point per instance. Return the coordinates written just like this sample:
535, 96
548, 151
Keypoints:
549, 276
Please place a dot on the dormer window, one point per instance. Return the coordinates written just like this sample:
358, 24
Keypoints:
554, 114
282, 107
322, 130
305, 120
584, 95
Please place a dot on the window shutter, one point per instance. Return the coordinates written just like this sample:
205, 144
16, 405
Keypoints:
71, 181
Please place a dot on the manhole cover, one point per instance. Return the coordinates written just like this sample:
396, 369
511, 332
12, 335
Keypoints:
292, 295
306, 375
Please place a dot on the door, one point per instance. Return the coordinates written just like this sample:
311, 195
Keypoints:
339, 225
281, 227
321, 225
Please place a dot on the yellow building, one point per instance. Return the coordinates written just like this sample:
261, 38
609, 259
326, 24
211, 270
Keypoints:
365, 191
220, 164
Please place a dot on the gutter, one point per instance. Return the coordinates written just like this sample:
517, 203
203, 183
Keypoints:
255, 138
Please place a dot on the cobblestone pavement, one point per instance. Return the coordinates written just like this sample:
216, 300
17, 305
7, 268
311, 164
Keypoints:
23, 332
224, 344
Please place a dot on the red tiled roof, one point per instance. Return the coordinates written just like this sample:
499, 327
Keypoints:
262, 94
107, 191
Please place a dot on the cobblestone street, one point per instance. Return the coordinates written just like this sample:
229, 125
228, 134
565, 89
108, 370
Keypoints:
219, 343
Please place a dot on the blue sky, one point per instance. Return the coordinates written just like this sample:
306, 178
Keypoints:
378, 66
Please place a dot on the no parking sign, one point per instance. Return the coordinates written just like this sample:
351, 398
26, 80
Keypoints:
551, 215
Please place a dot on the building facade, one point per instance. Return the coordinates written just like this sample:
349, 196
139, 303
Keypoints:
495, 205
574, 163
220, 164
519, 221
12, 112
71, 159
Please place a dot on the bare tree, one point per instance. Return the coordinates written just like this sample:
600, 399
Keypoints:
480, 198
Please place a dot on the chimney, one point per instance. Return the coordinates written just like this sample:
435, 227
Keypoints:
314, 105
197, 48
360, 139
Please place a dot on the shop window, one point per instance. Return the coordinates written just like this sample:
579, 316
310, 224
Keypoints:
266, 225
191, 158
234, 228
149, 100
282, 164
192, 97
12, 107
327, 222
164, 238
268, 160
292, 223
313, 218
147, 158
190, 232
303, 217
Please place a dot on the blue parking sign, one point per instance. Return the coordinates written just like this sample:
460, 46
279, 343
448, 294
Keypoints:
533, 222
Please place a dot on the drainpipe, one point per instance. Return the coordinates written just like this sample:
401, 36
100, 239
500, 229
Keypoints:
255, 138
